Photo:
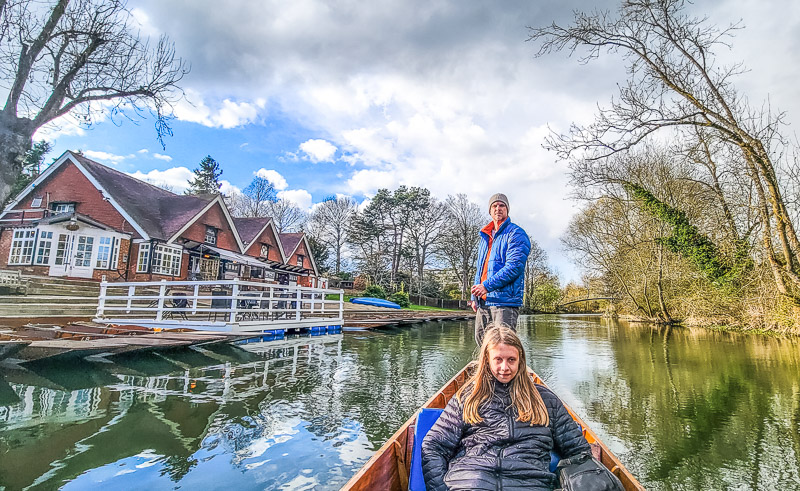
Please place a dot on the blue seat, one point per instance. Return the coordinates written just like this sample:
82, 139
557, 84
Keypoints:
425, 420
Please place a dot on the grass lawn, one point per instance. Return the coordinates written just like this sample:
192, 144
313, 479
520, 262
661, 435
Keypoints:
423, 307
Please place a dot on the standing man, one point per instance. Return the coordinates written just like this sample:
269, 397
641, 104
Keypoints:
502, 253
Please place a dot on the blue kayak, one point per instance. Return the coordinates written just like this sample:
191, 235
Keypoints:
376, 302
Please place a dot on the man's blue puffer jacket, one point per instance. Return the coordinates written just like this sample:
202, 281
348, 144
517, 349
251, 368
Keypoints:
506, 269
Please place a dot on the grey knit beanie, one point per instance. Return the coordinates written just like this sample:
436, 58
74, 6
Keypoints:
498, 197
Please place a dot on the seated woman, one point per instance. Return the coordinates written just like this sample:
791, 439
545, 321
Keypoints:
498, 430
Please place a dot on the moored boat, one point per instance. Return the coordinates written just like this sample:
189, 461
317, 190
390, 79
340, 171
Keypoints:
389, 467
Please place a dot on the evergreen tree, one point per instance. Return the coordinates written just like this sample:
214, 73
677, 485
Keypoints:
206, 178
30, 169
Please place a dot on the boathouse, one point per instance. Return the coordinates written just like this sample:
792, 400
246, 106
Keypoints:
82, 219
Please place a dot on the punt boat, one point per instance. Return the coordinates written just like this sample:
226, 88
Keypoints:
389, 467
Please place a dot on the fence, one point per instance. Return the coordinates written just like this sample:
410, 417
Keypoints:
232, 302
438, 302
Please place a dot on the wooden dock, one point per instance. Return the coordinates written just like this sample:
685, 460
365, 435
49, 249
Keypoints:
79, 340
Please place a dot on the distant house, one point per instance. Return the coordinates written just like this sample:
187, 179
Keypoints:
82, 219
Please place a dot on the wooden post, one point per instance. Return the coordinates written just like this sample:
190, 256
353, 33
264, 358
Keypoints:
269, 303
131, 294
234, 300
161, 290
101, 300
298, 304
194, 300
341, 306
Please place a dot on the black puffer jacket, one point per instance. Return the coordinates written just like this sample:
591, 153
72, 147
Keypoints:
499, 452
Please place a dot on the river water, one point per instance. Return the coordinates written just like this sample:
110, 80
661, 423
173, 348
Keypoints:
682, 408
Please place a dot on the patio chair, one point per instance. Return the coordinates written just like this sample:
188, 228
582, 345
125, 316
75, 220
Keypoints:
219, 303
179, 303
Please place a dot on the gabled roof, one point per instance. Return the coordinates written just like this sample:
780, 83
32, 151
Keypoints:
252, 228
153, 212
291, 241
156, 210
216, 200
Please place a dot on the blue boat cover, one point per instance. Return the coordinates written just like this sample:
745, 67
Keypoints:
377, 302
425, 420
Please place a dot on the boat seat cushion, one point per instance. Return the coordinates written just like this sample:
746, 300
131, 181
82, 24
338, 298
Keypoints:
425, 420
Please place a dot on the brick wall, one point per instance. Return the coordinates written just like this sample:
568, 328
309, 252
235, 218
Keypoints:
68, 184
266, 237
214, 217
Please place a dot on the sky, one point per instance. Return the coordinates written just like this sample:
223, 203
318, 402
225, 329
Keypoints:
345, 97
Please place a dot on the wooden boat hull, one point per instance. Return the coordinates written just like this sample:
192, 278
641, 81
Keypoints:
389, 468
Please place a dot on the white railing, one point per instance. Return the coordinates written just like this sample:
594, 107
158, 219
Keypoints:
231, 301
10, 278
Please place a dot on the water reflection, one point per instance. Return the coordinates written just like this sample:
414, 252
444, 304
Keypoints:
683, 408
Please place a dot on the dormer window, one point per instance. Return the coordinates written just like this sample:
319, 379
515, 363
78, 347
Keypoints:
62, 207
264, 250
211, 235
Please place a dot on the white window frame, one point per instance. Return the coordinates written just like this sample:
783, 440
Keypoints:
63, 207
265, 250
211, 235
104, 248
44, 248
114, 255
22, 240
143, 258
300, 261
36, 202
166, 260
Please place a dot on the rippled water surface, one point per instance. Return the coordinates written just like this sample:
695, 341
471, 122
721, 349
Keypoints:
682, 408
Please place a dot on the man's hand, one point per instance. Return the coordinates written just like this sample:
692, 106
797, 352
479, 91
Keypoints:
479, 291
474, 305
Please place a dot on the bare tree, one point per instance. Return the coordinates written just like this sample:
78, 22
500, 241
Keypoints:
329, 224
288, 217
425, 229
79, 58
459, 244
255, 200
675, 84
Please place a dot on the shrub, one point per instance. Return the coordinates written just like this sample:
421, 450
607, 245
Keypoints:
375, 291
400, 298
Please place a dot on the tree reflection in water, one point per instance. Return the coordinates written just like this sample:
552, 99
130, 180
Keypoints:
683, 408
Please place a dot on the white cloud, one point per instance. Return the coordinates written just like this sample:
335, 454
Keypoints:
318, 150
366, 182
105, 157
274, 177
225, 114
300, 197
175, 178
227, 188
165, 158
143, 151
399, 92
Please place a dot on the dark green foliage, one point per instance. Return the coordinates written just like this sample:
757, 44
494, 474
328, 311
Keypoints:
30, 169
400, 298
320, 253
206, 178
375, 291
688, 242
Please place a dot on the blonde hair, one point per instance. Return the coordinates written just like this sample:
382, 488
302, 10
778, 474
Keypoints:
479, 388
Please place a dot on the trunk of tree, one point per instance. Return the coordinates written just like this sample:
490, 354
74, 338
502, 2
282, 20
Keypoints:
661, 303
16, 138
